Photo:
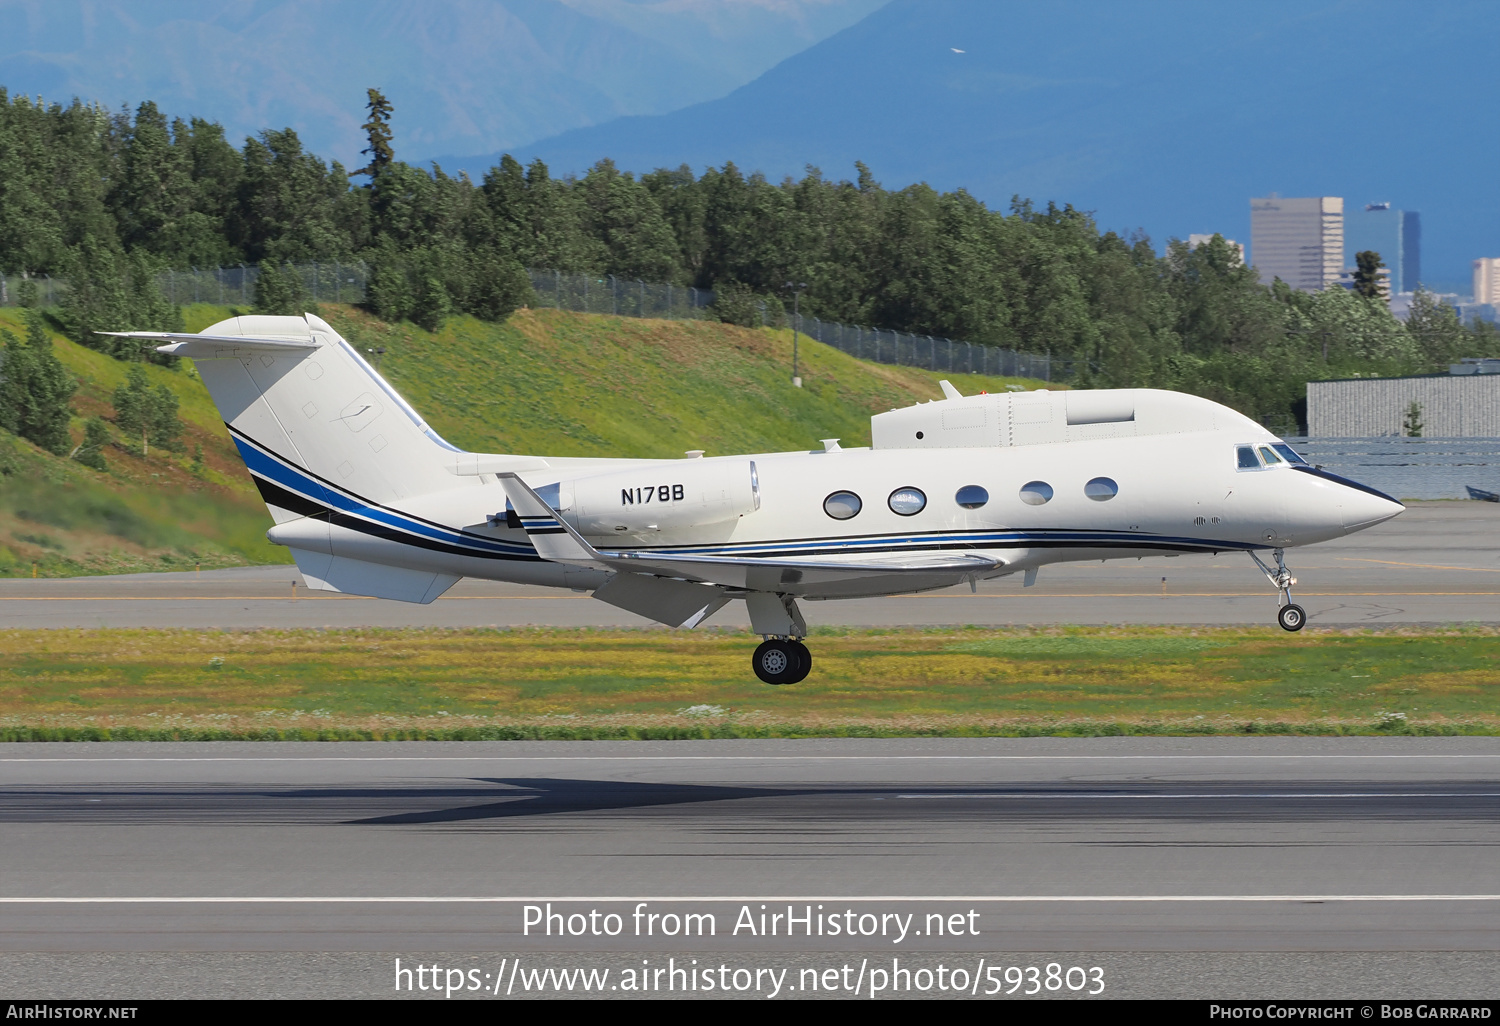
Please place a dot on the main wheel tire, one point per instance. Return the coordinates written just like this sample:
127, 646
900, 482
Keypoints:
804, 663
1292, 617
777, 662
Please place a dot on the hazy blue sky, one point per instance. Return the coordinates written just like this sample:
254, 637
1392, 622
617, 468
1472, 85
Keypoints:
466, 76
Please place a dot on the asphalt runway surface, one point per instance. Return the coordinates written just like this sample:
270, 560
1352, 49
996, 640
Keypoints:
1180, 867
1437, 563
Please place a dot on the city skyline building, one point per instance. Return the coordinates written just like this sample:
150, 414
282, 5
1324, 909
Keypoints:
1395, 234
1487, 281
1298, 239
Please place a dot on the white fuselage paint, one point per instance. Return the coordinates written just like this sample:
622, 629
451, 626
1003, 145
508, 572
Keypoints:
1166, 484
372, 501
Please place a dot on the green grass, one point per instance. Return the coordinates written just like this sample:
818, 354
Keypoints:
544, 382
617, 683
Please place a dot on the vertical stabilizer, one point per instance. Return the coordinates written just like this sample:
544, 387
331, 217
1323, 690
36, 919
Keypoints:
316, 425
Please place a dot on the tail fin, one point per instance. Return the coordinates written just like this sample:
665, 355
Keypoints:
311, 418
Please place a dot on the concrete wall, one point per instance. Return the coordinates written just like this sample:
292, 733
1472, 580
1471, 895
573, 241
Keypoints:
1466, 406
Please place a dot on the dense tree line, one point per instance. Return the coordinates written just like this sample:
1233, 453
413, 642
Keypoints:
106, 199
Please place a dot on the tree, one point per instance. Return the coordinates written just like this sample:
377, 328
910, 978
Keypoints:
146, 411
378, 130
1411, 425
109, 292
35, 388
1368, 281
95, 437
279, 290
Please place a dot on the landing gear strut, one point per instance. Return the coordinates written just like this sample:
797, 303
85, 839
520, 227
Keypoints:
1291, 616
782, 661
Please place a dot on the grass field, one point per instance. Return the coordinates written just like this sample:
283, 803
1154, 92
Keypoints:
545, 382
332, 684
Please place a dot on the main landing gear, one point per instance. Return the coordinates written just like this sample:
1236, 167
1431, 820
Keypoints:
782, 661
1291, 616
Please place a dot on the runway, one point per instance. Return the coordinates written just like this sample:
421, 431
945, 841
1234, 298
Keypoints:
1437, 563
1086, 844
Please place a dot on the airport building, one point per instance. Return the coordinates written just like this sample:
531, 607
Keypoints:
1464, 403
1395, 234
1299, 240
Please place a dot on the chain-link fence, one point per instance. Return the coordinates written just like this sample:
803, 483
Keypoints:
926, 351
621, 297
624, 298
324, 282
337, 282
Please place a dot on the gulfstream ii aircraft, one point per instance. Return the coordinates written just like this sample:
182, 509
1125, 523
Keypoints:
372, 501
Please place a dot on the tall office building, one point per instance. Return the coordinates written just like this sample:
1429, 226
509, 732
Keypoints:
1395, 234
1487, 280
1300, 241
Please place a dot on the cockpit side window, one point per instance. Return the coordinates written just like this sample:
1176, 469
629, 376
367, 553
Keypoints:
1245, 458
1269, 456
1289, 454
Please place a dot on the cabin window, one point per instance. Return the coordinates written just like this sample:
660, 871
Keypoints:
842, 505
907, 501
1269, 456
1289, 454
971, 497
1036, 493
1101, 489
1245, 458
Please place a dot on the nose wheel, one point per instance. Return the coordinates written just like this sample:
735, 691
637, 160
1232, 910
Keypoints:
781, 661
1291, 616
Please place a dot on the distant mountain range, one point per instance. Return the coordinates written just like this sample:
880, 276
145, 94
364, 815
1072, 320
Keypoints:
465, 75
1157, 114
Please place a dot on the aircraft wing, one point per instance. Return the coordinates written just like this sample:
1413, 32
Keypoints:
556, 540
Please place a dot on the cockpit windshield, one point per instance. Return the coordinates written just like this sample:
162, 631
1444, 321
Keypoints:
1270, 457
1289, 454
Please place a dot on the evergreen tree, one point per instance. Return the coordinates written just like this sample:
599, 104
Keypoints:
150, 413
279, 290
109, 292
1367, 278
378, 131
35, 388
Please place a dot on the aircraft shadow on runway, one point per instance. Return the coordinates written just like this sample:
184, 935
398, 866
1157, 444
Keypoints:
496, 800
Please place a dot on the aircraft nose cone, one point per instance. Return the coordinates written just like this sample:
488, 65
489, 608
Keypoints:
1362, 509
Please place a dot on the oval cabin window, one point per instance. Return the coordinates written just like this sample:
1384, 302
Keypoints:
842, 505
907, 501
971, 497
1036, 493
1101, 489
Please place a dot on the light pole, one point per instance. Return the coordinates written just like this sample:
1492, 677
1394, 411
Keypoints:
796, 287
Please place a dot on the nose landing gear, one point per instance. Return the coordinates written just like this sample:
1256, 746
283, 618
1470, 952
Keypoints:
782, 661
1291, 616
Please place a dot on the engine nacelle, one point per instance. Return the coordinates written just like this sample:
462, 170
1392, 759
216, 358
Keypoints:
670, 496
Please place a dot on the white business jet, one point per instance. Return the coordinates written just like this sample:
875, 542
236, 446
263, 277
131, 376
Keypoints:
371, 501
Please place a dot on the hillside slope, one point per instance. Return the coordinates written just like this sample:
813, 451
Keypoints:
546, 382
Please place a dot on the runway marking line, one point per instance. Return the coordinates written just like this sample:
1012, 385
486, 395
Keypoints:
70, 760
1424, 566
965, 898
1100, 795
582, 598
